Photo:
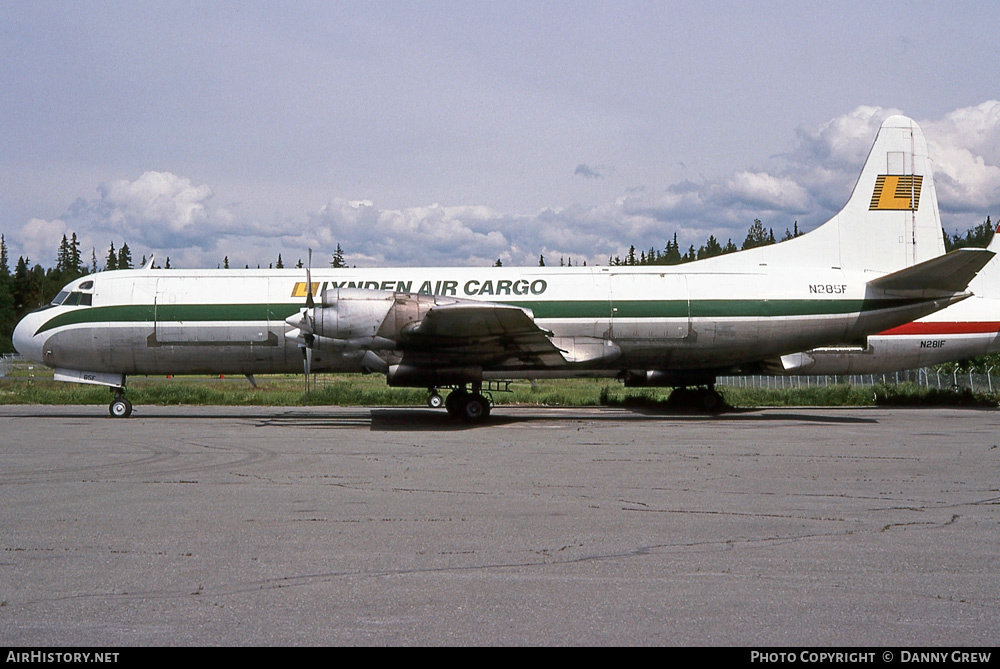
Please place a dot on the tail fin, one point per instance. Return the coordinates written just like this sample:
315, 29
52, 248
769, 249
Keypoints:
891, 220
987, 282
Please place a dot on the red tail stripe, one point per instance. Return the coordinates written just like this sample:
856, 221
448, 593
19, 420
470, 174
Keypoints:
918, 328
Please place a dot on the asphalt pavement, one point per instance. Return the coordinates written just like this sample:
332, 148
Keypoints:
389, 526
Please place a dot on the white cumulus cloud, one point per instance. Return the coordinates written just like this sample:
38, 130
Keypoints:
174, 216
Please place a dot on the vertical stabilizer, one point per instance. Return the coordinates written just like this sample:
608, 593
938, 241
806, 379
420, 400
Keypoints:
891, 220
987, 282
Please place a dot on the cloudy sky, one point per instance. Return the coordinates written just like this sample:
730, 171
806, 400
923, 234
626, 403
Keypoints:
430, 132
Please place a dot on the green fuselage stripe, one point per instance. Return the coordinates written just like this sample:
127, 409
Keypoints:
568, 309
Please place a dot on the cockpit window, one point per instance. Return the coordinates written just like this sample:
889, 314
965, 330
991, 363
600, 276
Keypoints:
76, 299
86, 285
72, 299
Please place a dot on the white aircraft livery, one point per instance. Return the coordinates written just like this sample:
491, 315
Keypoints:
878, 264
963, 331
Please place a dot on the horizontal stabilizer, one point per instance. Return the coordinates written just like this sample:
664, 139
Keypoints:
950, 273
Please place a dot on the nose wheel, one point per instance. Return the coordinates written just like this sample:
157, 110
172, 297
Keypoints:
120, 407
435, 401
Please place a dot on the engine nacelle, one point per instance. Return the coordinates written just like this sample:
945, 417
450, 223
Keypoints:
356, 344
409, 376
353, 319
351, 313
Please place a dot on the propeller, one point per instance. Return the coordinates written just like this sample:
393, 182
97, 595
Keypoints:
309, 321
303, 325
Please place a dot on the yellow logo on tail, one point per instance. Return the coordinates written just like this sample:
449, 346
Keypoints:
896, 192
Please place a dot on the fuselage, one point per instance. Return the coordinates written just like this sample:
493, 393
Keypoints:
963, 331
666, 318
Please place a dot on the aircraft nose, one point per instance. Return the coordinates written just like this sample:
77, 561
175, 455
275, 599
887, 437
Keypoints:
26, 341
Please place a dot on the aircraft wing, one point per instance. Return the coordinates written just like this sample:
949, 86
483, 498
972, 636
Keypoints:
478, 333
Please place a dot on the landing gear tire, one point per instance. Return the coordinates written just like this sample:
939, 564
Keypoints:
120, 408
476, 408
710, 401
455, 402
435, 401
706, 400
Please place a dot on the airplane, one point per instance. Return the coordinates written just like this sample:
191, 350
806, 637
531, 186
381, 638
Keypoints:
963, 331
877, 264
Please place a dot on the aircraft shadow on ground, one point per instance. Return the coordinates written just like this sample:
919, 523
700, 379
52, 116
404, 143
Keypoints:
402, 419
409, 420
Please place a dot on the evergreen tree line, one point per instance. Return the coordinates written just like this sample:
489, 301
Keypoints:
756, 236
31, 286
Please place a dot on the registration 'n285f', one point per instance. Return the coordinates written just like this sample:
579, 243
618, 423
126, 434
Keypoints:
828, 288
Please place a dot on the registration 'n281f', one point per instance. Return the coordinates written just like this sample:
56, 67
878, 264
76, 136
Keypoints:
828, 288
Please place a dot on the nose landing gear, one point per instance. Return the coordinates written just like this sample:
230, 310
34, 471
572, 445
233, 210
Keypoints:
435, 401
120, 407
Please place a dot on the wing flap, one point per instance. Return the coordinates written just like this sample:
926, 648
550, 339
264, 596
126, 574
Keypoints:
479, 333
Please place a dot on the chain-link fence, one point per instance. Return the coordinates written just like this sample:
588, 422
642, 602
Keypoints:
930, 378
7, 361
979, 382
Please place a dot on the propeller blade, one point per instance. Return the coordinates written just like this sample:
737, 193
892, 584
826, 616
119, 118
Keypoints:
309, 282
303, 327
307, 355
306, 360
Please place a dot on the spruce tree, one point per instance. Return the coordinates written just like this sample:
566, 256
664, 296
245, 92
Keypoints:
62, 256
4, 263
338, 259
756, 236
124, 257
75, 264
711, 248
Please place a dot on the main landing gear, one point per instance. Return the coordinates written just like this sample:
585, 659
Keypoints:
472, 407
707, 399
120, 407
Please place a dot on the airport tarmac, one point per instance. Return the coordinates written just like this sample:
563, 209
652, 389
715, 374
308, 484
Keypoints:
356, 526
